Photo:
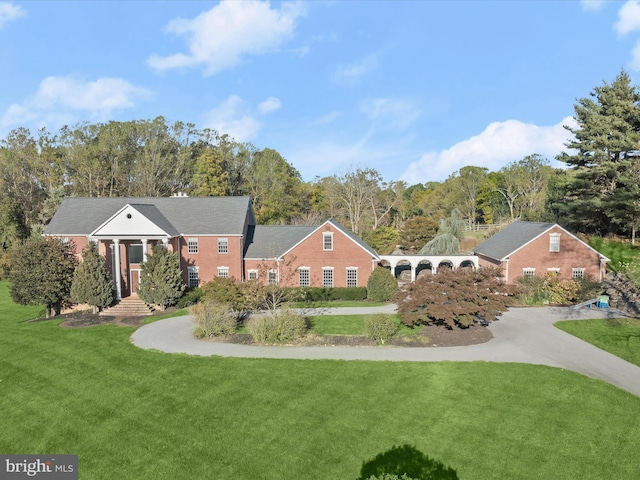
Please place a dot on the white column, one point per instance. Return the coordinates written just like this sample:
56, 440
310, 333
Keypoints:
116, 273
144, 250
413, 272
165, 243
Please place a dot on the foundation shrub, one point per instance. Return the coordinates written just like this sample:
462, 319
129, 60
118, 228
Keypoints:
382, 285
380, 327
191, 297
320, 294
282, 326
213, 319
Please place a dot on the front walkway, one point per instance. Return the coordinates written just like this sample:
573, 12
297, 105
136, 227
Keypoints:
522, 335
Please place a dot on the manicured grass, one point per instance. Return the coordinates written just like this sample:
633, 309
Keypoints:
136, 414
350, 325
174, 313
337, 304
619, 336
11, 310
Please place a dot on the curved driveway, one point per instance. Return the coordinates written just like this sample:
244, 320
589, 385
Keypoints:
522, 335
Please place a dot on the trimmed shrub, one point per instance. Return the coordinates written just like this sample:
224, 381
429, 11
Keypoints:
283, 326
382, 285
390, 476
380, 327
191, 297
321, 294
213, 320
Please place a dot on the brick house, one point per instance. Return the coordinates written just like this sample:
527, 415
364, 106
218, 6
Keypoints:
525, 249
214, 237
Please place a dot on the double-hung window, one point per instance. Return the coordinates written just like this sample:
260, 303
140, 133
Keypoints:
304, 277
528, 273
272, 277
327, 277
223, 272
253, 274
577, 273
223, 245
352, 277
192, 245
327, 241
194, 280
554, 242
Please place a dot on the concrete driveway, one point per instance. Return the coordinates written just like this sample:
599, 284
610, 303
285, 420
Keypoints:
522, 335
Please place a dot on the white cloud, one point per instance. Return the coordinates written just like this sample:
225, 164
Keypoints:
500, 143
325, 119
354, 71
271, 104
592, 5
390, 113
237, 118
10, 12
628, 18
221, 37
59, 99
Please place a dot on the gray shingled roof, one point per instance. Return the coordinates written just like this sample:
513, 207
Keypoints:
185, 215
511, 238
273, 241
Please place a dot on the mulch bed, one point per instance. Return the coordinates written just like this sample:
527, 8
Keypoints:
430, 336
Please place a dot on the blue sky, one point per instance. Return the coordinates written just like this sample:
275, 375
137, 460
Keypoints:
415, 90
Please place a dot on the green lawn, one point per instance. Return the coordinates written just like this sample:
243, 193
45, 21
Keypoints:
337, 304
619, 336
135, 414
349, 325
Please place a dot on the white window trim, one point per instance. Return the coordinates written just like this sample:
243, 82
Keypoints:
553, 270
554, 242
250, 272
326, 235
275, 272
190, 271
528, 270
223, 272
577, 270
192, 244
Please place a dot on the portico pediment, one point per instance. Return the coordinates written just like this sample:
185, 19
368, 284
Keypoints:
135, 221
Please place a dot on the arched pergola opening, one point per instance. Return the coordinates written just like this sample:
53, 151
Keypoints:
403, 271
424, 268
445, 264
467, 264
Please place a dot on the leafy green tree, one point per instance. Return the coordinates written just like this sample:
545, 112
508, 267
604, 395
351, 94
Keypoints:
382, 286
41, 273
92, 283
466, 185
210, 177
455, 298
605, 146
161, 278
416, 232
383, 239
12, 224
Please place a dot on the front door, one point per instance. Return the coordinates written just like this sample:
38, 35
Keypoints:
134, 278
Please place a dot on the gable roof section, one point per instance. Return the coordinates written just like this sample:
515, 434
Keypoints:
516, 236
178, 215
135, 221
273, 241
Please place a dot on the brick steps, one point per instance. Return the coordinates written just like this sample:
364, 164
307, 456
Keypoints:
129, 307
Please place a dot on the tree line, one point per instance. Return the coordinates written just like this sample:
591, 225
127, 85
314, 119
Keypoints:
598, 192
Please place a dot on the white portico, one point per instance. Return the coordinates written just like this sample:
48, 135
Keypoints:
127, 235
431, 262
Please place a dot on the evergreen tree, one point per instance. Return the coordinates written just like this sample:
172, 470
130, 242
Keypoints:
606, 143
161, 278
381, 286
41, 273
92, 282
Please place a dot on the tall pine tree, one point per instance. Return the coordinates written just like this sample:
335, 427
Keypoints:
92, 282
605, 144
161, 278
